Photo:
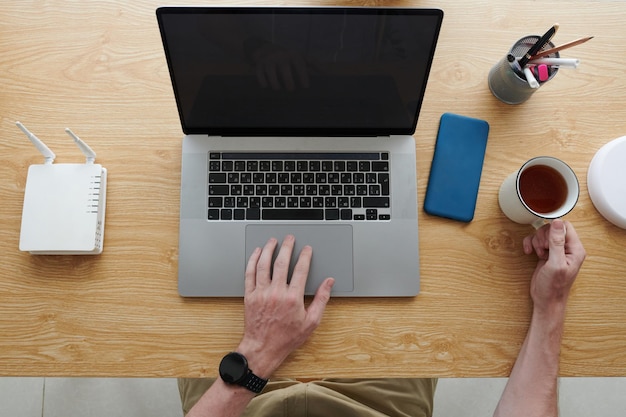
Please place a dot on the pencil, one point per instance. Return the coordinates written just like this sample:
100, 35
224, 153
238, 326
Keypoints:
560, 47
538, 45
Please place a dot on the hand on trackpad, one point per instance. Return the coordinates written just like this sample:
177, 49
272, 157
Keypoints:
332, 251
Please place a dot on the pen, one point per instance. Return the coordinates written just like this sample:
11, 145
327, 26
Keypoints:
561, 62
514, 64
539, 44
560, 47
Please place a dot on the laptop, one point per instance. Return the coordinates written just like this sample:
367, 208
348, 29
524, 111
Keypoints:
299, 121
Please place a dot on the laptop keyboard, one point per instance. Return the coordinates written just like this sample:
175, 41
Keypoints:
299, 186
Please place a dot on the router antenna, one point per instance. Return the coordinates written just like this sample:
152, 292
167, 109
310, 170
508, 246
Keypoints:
41, 147
84, 148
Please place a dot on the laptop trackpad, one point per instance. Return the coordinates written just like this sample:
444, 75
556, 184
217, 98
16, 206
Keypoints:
332, 251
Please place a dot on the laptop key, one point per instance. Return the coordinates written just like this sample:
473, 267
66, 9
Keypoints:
318, 201
219, 189
293, 214
376, 202
229, 202
226, 214
315, 166
217, 178
305, 202
383, 180
267, 202
215, 202
280, 202
253, 214
292, 202
346, 214
242, 202
380, 166
332, 214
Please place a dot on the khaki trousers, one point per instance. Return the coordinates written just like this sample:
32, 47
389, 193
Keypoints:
330, 397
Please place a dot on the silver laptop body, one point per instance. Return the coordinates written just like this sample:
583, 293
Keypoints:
299, 121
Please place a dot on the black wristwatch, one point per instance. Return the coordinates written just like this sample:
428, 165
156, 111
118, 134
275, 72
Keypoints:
234, 370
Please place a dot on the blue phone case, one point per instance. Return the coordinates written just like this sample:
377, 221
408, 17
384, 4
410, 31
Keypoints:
456, 168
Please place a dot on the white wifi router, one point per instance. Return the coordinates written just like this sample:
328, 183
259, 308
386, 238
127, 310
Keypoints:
64, 204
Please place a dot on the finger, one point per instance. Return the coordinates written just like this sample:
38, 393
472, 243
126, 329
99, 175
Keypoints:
250, 275
318, 305
301, 270
541, 246
264, 264
281, 265
527, 245
540, 241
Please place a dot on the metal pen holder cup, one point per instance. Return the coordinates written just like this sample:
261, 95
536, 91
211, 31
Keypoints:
507, 85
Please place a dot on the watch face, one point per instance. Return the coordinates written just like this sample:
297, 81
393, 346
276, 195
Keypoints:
233, 368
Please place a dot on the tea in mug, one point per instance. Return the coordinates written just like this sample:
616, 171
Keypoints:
542, 188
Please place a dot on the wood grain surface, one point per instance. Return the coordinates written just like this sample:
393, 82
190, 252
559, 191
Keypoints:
99, 68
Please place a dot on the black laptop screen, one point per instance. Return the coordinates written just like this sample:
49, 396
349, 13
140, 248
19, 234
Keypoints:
299, 71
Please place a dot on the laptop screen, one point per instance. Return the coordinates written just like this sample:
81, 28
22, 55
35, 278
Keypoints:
299, 71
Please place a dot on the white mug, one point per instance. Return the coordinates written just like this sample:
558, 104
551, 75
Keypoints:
544, 188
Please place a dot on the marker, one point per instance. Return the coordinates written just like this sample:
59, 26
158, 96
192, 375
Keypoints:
514, 64
530, 78
560, 62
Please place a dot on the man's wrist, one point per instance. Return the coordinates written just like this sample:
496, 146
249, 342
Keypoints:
260, 361
551, 309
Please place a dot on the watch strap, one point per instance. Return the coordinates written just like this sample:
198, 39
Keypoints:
253, 382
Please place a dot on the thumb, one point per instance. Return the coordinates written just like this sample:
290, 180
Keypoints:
556, 241
318, 305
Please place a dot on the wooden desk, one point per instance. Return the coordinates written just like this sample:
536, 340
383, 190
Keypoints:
99, 68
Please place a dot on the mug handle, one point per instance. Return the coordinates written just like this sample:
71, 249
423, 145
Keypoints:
540, 222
